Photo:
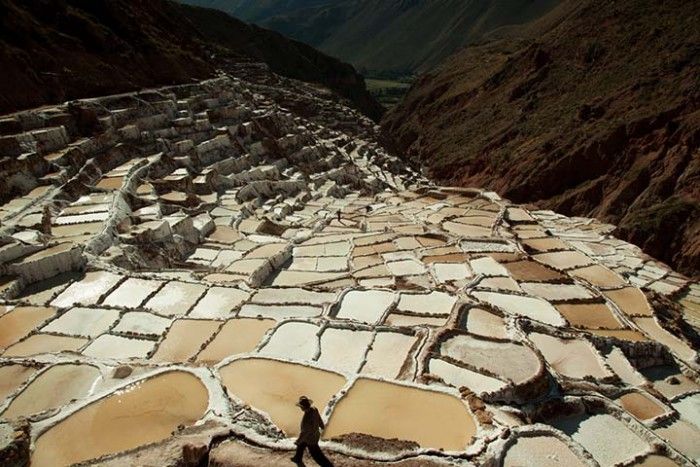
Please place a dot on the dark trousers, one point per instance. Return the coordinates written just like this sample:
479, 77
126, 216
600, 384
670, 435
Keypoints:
315, 452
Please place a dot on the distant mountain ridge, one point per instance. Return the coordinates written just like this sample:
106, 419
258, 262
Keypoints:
56, 50
594, 111
386, 36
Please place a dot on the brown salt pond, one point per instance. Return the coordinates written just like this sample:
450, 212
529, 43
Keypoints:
44, 343
184, 340
570, 357
589, 315
528, 270
12, 377
599, 275
142, 413
74, 382
274, 388
237, 336
536, 451
630, 300
641, 406
484, 323
388, 410
20, 321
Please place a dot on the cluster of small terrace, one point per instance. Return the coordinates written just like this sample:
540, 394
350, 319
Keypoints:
182, 264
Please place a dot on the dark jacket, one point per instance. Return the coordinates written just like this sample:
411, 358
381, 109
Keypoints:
311, 426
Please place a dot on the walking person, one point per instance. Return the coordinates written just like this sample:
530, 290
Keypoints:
310, 433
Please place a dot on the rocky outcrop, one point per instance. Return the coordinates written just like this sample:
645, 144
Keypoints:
594, 112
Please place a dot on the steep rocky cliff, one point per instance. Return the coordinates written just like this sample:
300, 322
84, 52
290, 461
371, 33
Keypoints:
595, 111
54, 50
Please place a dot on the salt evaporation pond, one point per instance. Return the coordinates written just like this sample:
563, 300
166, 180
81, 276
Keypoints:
274, 387
20, 321
237, 336
389, 411
536, 451
605, 437
53, 388
124, 420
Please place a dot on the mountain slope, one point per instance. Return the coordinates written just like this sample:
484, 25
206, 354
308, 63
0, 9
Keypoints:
386, 36
597, 114
54, 50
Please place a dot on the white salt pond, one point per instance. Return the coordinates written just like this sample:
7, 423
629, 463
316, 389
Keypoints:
140, 322
117, 347
295, 340
529, 307
344, 349
508, 360
88, 290
219, 302
175, 298
458, 377
433, 303
88, 322
570, 357
367, 306
605, 437
124, 420
536, 451
132, 293
388, 354
280, 312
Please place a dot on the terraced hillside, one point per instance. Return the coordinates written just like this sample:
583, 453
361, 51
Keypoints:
593, 114
178, 265
55, 50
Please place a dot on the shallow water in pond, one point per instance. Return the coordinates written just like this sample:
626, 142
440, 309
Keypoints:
12, 377
53, 388
184, 340
274, 387
641, 406
389, 411
144, 412
44, 343
20, 321
236, 336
